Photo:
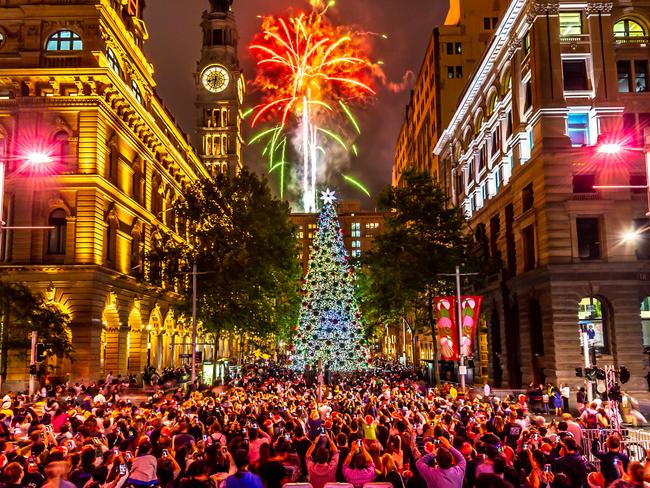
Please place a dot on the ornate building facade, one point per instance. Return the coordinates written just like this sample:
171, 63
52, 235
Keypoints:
451, 55
220, 91
525, 156
74, 82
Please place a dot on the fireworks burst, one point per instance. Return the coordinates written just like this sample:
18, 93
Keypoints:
309, 72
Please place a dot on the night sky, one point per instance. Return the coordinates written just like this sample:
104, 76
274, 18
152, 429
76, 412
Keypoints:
175, 42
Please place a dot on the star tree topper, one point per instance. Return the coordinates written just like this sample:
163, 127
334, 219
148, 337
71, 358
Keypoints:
328, 196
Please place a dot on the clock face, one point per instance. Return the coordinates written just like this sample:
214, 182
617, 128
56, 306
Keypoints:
215, 78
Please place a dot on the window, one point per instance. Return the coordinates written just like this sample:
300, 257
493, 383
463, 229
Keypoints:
56, 235
450, 48
64, 40
356, 253
645, 321
584, 183
575, 74
592, 318
450, 72
495, 22
2, 39
528, 96
570, 24
527, 197
459, 71
624, 76
372, 225
217, 37
458, 48
528, 237
640, 76
628, 28
496, 141
486, 23
588, 230
356, 229
109, 243
136, 92
527, 43
113, 63
356, 243
578, 129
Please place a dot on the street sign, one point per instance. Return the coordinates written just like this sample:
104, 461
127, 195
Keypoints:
199, 356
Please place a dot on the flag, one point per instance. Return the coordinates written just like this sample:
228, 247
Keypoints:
447, 328
470, 308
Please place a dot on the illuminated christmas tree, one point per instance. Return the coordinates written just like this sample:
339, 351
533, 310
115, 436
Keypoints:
330, 329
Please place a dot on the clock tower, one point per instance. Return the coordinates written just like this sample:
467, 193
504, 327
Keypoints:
220, 91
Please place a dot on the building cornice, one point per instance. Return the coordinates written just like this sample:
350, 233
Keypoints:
501, 42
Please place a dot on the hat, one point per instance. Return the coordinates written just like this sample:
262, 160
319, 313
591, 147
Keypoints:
6, 405
429, 447
546, 448
3, 460
466, 449
165, 431
72, 412
596, 480
369, 419
328, 424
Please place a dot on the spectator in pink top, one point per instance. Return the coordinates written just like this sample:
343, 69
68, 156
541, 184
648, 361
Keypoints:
257, 438
322, 468
358, 468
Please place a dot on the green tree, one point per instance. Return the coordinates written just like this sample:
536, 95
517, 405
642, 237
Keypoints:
244, 242
22, 312
423, 238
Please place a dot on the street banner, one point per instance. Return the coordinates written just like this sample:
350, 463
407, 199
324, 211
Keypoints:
470, 309
447, 328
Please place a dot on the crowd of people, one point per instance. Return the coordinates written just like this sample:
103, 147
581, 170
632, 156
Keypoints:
270, 426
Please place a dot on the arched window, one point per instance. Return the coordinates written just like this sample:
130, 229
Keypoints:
113, 62
593, 318
64, 40
492, 101
136, 92
56, 235
506, 83
628, 28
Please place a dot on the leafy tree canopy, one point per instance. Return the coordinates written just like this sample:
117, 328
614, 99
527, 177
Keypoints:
24, 311
242, 238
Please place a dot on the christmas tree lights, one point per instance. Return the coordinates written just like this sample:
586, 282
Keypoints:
330, 329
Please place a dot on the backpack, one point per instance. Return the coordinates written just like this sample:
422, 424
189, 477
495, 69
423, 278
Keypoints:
592, 421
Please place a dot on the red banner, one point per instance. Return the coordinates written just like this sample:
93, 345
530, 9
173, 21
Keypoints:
447, 328
470, 308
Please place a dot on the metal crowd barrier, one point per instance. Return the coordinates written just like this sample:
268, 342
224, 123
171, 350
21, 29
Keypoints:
636, 443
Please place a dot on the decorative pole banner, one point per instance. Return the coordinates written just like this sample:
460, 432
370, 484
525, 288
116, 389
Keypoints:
447, 328
470, 310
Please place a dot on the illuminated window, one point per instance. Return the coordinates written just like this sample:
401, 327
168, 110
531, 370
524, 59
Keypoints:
593, 317
356, 229
372, 225
356, 253
578, 129
570, 24
450, 71
2, 39
356, 243
632, 76
459, 71
136, 92
56, 235
113, 62
527, 43
458, 48
64, 40
628, 28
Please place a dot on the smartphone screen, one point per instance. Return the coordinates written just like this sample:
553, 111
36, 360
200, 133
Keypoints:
547, 468
122, 469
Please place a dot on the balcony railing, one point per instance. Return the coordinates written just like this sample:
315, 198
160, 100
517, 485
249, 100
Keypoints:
636, 41
65, 61
575, 38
